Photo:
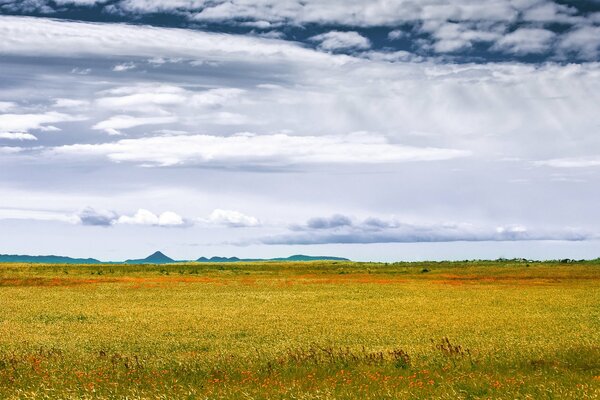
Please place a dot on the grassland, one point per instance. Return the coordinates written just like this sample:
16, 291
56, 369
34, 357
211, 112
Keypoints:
318, 330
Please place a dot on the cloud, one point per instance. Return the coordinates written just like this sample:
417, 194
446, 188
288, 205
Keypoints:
115, 124
155, 100
145, 217
336, 40
6, 106
375, 230
261, 150
464, 22
37, 215
27, 36
124, 67
334, 221
230, 218
17, 136
10, 150
452, 36
25, 122
70, 103
92, 217
526, 41
264, 14
397, 34
583, 42
355, 13
573, 162
551, 12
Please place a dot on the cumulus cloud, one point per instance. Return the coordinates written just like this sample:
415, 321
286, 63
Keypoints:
551, 12
17, 136
145, 217
451, 36
92, 217
396, 34
336, 40
583, 42
462, 23
231, 218
266, 13
526, 41
340, 229
266, 150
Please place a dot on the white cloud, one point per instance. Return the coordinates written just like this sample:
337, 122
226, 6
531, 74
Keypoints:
145, 217
262, 150
451, 36
396, 34
10, 150
17, 136
574, 162
26, 36
37, 215
337, 40
6, 106
159, 98
114, 124
350, 13
25, 122
526, 41
550, 12
583, 42
81, 71
70, 103
79, 2
232, 218
124, 67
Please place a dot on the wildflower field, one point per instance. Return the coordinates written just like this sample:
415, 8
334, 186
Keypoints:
312, 330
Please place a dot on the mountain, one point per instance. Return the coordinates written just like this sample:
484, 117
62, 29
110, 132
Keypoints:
155, 258
297, 257
46, 259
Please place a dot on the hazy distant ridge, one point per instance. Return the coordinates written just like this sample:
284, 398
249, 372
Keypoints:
155, 258
46, 259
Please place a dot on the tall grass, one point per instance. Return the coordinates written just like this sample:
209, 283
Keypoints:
317, 330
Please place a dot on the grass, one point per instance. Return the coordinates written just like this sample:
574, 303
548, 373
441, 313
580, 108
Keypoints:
316, 330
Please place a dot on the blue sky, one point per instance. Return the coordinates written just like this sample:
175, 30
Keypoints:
383, 130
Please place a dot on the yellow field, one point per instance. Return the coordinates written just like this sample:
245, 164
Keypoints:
319, 330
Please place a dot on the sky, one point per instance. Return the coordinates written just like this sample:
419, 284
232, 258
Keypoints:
382, 130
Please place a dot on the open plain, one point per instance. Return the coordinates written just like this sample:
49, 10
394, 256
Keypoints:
310, 330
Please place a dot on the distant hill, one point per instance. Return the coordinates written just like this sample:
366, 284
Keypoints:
219, 259
155, 258
46, 259
297, 257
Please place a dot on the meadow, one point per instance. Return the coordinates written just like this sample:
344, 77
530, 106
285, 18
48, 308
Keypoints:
506, 329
